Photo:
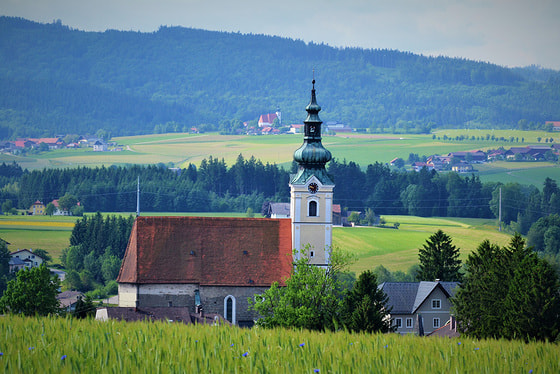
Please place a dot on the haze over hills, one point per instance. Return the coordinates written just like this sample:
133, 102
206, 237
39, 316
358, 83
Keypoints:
56, 80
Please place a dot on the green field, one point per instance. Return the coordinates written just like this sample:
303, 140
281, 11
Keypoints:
180, 149
58, 345
372, 246
398, 249
51, 233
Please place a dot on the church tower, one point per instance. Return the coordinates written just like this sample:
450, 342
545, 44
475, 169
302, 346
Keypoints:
311, 191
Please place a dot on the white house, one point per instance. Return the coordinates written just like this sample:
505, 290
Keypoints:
24, 258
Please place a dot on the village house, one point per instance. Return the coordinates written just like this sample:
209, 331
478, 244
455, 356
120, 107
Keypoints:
417, 166
24, 258
99, 146
68, 300
336, 127
295, 129
214, 265
37, 208
462, 167
52, 143
58, 211
555, 125
528, 153
419, 307
469, 156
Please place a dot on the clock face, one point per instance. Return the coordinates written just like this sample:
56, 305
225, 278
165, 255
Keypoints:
313, 187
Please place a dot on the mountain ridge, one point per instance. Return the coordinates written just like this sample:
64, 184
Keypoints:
57, 79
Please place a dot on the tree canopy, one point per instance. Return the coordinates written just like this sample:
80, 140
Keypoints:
311, 298
321, 298
32, 292
508, 292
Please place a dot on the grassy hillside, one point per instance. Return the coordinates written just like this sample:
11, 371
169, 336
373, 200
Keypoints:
57, 345
398, 249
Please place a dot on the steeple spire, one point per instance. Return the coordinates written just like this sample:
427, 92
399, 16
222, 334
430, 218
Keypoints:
312, 156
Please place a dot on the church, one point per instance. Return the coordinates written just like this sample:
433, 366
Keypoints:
214, 265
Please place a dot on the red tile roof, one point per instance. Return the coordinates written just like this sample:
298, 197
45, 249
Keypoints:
208, 251
267, 118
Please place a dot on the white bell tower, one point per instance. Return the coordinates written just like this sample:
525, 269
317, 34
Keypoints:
311, 192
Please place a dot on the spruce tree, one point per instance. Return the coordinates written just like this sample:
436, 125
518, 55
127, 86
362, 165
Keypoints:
508, 292
439, 259
365, 306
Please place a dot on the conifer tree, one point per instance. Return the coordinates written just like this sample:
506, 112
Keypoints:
439, 259
365, 306
509, 293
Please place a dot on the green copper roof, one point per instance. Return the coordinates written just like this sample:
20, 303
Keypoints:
312, 156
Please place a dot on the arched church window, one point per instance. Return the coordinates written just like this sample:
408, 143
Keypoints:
312, 209
229, 309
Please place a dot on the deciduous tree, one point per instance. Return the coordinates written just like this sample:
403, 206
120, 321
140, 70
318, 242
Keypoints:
32, 292
311, 299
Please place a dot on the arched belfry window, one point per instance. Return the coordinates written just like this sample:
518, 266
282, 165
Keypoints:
312, 209
229, 309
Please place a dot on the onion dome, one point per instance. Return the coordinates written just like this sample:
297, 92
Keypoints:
312, 156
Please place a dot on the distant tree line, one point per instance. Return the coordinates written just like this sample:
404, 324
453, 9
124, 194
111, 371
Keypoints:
248, 183
55, 79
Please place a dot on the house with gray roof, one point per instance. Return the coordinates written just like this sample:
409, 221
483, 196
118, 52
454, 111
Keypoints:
419, 307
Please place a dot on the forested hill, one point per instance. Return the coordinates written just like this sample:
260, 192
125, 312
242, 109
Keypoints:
56, 80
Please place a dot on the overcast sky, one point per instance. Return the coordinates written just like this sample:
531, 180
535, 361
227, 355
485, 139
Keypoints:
505, 32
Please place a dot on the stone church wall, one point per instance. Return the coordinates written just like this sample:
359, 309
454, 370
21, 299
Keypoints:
212, 298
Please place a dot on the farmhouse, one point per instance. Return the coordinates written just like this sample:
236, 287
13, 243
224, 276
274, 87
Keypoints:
37, 208
99, 146
24, 258
214, 265
419, 307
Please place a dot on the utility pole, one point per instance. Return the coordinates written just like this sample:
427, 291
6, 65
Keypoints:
138, 197
500, 212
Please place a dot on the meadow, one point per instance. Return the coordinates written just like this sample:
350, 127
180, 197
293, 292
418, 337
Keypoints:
179, 149
51, 233
371, 246
65, 345
398, 249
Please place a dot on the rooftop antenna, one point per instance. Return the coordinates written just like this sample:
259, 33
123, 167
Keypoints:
138, 197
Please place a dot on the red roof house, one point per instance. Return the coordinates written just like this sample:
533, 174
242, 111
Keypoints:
204, 262
267, 119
